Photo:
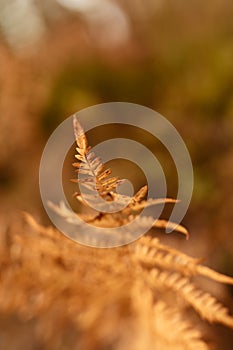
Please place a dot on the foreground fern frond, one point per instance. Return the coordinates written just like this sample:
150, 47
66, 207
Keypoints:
204, 304
129, 298
152, 253
146, 275
181, 333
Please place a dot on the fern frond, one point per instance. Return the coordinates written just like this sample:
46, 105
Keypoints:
155, 318
81, 139
64, 212
136, 207
214, 275
146, 221
204, 303
162, 269
94, 177
97, 181
162, 258
98, 291
152, 252
186, 335
171, 225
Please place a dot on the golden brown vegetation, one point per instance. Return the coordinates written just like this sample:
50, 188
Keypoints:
75, 297
179, 62
96, 180
145, 286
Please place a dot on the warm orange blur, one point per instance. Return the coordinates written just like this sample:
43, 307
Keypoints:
176, 57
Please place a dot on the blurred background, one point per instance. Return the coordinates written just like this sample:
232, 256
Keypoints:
176, 57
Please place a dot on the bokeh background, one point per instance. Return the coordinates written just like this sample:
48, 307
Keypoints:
176, 57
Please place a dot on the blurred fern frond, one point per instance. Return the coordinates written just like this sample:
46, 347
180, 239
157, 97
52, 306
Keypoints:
153, 282
133, 297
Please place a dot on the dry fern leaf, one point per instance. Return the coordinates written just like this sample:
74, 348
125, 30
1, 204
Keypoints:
94, 177
63, 211
186, 335
136, 207
165, 268
151, 252
205, 304
157, 255
145, 221
152, 272
171, 225
155, 318
112, 219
